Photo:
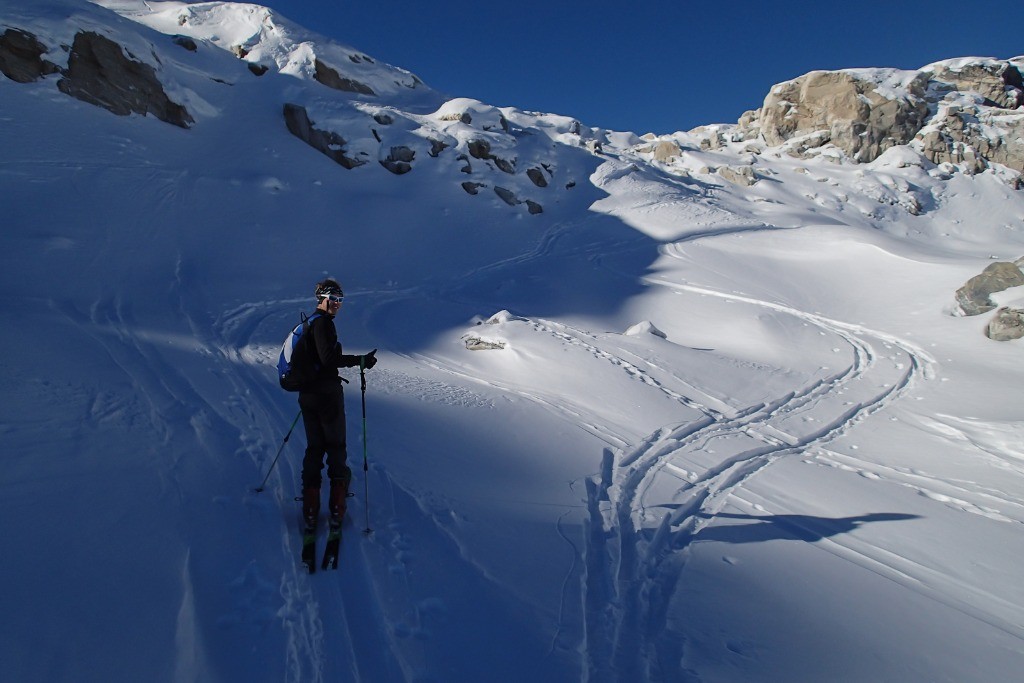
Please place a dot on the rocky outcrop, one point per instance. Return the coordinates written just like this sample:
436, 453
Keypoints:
536, 176
399, 160
100, 73
185, 42
744, 176
1000, 83
973, 135
973, 297
477, 344
332, 79
481, 149
962, 112
21, 57
510, 198
1007, 325
507, 195
327, 142
843, 109
663, 151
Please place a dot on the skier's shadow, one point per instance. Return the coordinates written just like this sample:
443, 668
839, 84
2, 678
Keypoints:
788, 527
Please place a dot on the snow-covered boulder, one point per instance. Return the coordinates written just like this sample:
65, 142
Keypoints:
472, 113
645, 327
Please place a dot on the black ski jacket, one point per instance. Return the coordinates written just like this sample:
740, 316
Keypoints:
327, 355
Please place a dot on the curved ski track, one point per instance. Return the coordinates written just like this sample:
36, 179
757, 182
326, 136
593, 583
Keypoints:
637, 543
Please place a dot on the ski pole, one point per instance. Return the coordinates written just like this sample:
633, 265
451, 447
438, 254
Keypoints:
366, 467
259, 489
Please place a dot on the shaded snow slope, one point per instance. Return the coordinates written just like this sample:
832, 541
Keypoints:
721, 432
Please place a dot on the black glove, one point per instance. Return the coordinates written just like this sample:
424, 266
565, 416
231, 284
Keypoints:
369, 360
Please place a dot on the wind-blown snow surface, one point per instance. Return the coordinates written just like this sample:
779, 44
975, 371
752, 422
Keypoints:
733, 434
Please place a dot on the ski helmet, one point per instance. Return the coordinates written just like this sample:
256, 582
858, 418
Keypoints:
328, 286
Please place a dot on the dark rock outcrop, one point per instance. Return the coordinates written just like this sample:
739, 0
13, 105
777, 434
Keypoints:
332, 79
100, 73
21, 57
537, 177
399, 160
481, 149
185, 42
507, 195
325, 141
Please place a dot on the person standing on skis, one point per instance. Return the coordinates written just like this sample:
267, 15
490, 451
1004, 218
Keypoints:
322, 401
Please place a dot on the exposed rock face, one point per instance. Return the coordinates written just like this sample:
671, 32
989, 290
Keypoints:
481, 149
325, 141
399, 160
1000, 83
478, 344
536, 176
21, 57
857, 118
185, 42
507, 196
332, 79
510, 198
1007, 325
973, 135
973, 297
739, 175
962, 112
99, 73
436, 147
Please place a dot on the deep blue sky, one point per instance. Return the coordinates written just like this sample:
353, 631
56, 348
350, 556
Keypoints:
654, 65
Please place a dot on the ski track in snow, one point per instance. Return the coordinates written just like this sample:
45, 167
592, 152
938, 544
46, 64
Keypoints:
652, 499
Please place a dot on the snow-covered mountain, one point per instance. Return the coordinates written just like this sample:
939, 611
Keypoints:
701, 406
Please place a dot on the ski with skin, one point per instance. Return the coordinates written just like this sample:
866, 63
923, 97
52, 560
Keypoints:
309, 548
333, 544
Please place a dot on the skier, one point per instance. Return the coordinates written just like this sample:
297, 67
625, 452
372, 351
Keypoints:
322, 401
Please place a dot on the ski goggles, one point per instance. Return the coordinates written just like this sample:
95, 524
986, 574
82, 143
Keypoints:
335, 298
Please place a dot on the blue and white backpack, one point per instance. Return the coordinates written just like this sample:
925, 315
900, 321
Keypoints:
294, 366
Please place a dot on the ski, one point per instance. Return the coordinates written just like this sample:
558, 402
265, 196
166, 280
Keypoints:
331, 551
309, 548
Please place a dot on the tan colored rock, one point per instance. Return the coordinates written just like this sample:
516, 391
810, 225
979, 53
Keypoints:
1000, 83
855, 116
1007, 325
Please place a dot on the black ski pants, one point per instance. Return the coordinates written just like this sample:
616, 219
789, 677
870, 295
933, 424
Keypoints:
323, 416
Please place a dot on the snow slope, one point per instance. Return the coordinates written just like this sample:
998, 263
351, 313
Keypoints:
733, 434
